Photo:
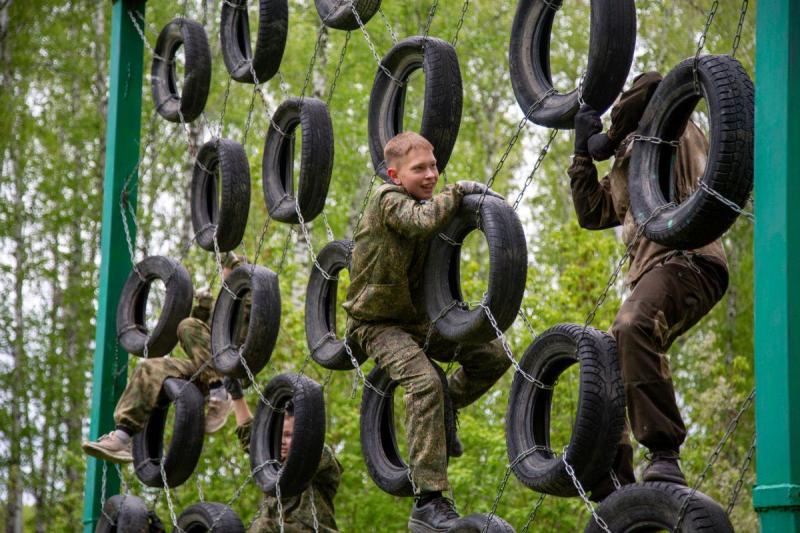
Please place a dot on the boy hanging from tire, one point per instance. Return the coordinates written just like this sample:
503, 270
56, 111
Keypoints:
141, 393
671, 289
386, 316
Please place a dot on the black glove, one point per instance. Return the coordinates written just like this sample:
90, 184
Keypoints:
601, 147
587, 123
474, 187
233, 387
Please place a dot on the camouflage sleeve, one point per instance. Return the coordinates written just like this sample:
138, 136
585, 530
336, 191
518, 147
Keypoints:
329, 473
591, 198
243, 433
202, 307
416, 219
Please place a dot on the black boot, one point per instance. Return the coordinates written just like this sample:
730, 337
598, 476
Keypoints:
664, 466
456, 449
432, 513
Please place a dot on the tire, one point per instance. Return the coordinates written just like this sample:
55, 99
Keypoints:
656, 506
701, 218
189, 104
508, 266
339, 15
123, 513
184, 449
611, 44
209, 516
132, 332
599, 418
475, 523
385, 466
441, 117
234, 34
228, 160
316, 166
301, 463
262, 330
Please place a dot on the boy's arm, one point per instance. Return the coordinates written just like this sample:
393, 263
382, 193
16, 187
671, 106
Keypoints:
414, 219
591, 198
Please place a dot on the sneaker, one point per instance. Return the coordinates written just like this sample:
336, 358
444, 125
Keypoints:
664, 466
220, 406
432, 515
110, 447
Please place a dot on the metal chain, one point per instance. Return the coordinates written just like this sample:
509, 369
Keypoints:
427, 28
310, 247
527, 323
315, 521
504, 481
364, 204
371, 46
732, 205
655, 140
582, 493
432, 327
464, 8
539, 160
533, 513
171, 508
285, 251
360, 373
338, 71
701, 43
321, 32
738, 36
742, 472
328, 228
614, 479
388, 25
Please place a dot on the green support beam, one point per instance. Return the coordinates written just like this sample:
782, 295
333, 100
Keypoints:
122, 154
776, 496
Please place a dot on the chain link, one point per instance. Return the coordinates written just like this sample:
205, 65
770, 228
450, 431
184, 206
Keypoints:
504, 481
388, 25
307, 238
533, 513
372, 49
732, 205
701, 42
338, 71
738, 36
655, 140
539, 160
464, 9
171, 508
360, 373
742, 473
582, 493
364, 205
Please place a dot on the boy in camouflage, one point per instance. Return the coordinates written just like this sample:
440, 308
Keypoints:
386, 316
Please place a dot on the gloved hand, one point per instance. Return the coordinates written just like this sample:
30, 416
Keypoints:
233, 387
587, 123
474, 187
601, 147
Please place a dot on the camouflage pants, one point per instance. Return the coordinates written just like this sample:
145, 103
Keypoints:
398, 349
144, 385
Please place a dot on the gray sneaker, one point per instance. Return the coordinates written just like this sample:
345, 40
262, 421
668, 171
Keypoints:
220, 406
110, 447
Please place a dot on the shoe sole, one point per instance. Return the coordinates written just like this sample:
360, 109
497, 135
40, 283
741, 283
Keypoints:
669, 479
105, 455
211, 429
417, 526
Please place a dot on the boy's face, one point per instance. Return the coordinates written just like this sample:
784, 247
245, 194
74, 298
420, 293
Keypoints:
286, 436
417, 173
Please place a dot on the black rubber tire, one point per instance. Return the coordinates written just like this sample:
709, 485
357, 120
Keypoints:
599, 419
308, 437
441, 117
385, 466
234, 34
131, 329
227, 162
262, 330
191, 101
508, 267
123, 513
186, 445
339, 15
209, 516
316, 166
611, 44
701, 218
655, 506
475, 523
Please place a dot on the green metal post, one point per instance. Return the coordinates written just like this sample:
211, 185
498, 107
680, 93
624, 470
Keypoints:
122, 154
776, 496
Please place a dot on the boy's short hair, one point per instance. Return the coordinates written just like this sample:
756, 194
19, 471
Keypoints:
288, 409
401, 144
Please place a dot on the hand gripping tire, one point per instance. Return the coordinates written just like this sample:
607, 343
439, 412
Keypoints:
262, 330
228, 218
476, 522
656, 506
184, 449
611, 44
338, 14
508, 266
378, 439
277, 174
302, 461
186, 106
132, 332
210, 516
234, 34
701, 218
123, 513
441, 117
321, 304
599, 418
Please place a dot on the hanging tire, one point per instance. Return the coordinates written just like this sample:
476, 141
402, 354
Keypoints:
234, 34
123, 513
611, 44
476, 522
277, 174
190, 102
508, 266
441, 117
339, 15
227, 216
701, 218
210, 516
599, 418
656, 506
385, 466
184, 449
262, 330
308, 438
132, 331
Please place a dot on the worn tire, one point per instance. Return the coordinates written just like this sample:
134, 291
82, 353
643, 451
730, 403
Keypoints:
701, 218
599, 418
476, 522
316, 166
508, 266
262, 330
184, 449
209, 516
339, 15
123, 513
131, 330
189, 104
228, 160
441, 117
308, 438
611, 44
234, 33
656, 506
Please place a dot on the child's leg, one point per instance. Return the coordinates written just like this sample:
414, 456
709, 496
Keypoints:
195, 342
